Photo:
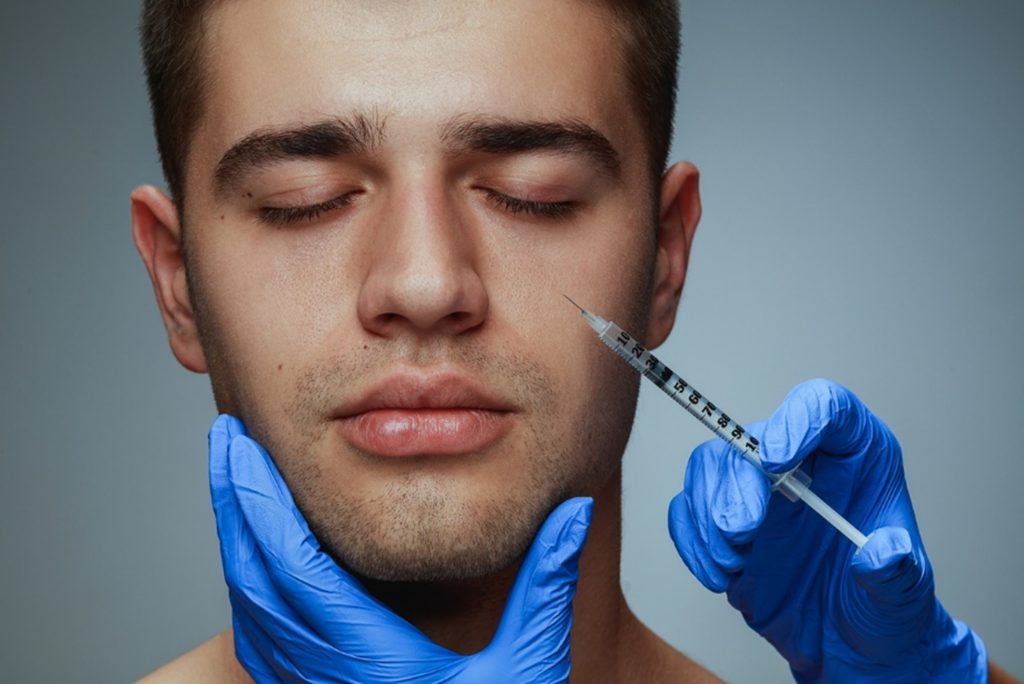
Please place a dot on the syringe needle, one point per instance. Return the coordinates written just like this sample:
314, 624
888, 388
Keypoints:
574, 303
599, 324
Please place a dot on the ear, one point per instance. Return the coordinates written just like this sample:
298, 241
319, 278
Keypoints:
678, 219
157, 235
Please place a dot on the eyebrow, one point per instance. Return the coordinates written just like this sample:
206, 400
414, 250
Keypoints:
506, 136
331, 138
361, 133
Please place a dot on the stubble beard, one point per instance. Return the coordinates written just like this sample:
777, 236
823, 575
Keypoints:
422, 527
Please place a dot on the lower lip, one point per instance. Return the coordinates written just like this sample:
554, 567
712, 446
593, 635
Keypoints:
421, 432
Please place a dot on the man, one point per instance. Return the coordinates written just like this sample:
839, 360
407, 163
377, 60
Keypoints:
375, 211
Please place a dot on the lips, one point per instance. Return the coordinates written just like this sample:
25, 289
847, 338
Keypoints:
412, 415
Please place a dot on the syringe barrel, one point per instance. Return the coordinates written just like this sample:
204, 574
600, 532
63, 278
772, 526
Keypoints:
681, 392
794, 484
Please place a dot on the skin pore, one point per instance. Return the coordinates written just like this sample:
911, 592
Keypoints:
409, 194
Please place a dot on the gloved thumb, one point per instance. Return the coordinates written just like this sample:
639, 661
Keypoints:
538, 613
895, 603
311, 590
885, 566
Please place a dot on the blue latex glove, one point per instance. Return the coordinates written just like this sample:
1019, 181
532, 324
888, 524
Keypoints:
834, 613
298, 617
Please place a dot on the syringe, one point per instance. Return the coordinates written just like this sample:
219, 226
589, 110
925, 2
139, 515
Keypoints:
794, 484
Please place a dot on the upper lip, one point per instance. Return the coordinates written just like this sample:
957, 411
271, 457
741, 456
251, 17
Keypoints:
445, 390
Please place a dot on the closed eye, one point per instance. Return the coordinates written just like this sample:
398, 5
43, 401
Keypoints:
284, 216
515, 205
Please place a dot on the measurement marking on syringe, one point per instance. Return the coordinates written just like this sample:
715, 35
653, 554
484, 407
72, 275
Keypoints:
704, 413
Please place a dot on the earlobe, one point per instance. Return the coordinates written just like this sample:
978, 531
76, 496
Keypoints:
157, 235
679, 215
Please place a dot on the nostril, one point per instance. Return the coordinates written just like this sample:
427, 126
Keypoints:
462, 321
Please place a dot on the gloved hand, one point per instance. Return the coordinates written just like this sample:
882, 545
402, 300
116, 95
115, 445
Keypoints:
834, 613
298, 617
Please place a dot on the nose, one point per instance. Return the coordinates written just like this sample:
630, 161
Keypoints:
423, 273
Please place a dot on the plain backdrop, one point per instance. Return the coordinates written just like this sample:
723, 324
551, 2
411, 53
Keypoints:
863, 183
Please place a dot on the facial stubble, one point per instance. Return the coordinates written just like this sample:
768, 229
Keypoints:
422, 526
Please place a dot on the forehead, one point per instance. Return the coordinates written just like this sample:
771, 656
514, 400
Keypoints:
415, 64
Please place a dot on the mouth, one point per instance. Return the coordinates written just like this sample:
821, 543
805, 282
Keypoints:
415, 415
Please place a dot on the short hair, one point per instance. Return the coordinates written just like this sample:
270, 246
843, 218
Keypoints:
171, 33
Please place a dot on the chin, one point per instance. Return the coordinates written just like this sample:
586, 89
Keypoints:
418, 531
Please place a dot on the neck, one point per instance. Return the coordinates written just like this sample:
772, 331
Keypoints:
464, 615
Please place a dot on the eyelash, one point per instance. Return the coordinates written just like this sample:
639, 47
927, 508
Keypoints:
279, 216
283, 216
514, 205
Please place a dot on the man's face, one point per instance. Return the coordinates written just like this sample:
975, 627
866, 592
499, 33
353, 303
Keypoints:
404, 351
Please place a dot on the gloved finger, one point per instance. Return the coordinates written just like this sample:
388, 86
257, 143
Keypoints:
242, 567
818, 414
254, 650
546, 582
250, 587
740, 500
289, 661
275, 637
727, 500
235, 543
267, 628
538, 611
691, 547
881, 564
709, 554
890, 568
896, 604
225, 508
331, 602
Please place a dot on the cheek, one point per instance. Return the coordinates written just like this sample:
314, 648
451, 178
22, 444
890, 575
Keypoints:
274, 301
602, 268
605, 269
593, 414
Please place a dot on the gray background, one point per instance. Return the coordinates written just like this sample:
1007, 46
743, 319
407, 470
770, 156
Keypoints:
862, 176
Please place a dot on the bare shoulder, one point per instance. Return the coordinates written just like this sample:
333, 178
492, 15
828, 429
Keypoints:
212, 662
